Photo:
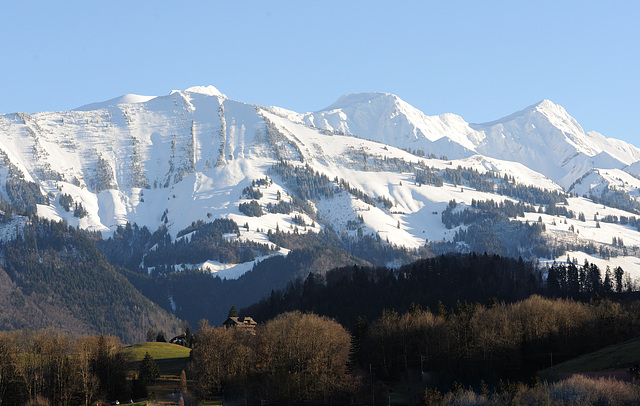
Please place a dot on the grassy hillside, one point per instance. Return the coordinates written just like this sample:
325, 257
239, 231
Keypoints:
158, 351
606, 361
171, 358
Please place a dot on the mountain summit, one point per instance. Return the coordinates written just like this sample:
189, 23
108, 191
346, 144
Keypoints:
205, 90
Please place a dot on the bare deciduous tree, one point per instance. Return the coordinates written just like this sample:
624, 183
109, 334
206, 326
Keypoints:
303, 357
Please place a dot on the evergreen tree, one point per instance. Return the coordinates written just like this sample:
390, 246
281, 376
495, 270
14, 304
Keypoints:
358, 334
188, 336
151, 334
607, 284
618, 273
149, 369
147, 373
109, 364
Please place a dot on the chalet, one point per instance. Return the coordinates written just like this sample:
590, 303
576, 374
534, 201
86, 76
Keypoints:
246, 323
180, 340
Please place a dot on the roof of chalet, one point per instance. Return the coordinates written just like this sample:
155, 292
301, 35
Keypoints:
240, 321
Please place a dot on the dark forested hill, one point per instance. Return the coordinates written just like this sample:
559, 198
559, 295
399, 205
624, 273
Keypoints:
439, 283
194, 295
53, 275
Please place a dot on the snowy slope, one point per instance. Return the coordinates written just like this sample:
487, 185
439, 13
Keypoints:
414, 205
598, 180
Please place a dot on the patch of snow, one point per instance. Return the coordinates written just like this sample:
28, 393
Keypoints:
12, 229
227, 271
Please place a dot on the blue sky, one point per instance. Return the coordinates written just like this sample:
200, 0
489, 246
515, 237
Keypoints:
480, 59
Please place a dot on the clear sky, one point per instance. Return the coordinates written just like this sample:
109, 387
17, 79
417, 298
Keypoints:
479, 59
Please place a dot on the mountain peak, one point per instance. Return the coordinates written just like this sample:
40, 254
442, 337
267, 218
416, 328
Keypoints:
545, 138
205, 90
545, 103
353, 99
386, 118
545, 107
125, 99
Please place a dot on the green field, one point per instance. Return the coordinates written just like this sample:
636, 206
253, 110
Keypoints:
614, 357
171, 358
158, 351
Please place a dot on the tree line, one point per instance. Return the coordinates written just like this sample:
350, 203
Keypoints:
616, 198
473, 341
294, 358
24, 195
347, 293
48, 367
308, 184
577, 389
301, 357
448, 294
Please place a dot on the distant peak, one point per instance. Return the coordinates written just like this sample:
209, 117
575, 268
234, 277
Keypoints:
125, 99
545, 103
551, 109
205, 90
545, 107
359, 98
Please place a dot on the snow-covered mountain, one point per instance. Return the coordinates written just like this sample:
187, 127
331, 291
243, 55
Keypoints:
387, 119
545, 138
192, 155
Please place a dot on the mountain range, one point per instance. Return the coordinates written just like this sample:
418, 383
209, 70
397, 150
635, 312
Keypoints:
370, 167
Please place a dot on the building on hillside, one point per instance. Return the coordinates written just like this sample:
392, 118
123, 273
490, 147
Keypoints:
180, 340
246, 323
